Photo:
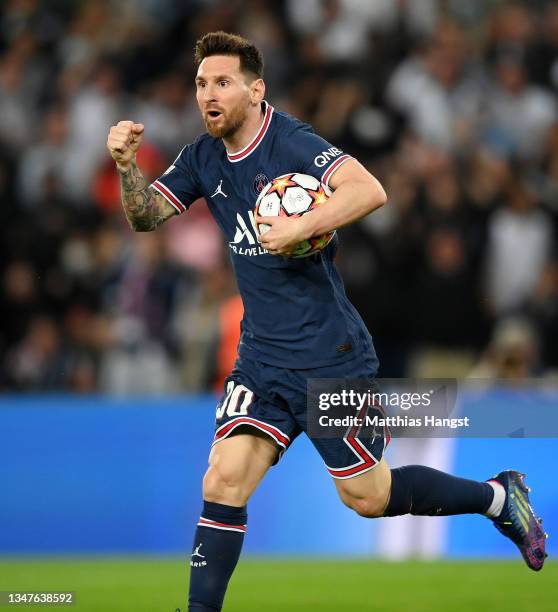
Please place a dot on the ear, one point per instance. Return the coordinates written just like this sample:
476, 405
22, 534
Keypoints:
257, 91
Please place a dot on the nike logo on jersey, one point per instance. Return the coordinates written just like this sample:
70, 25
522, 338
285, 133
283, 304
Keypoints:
219, 190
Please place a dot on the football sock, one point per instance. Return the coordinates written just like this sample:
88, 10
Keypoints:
424, 491
217, 545
497, 504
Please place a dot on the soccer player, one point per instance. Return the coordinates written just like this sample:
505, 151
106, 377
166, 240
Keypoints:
298, 323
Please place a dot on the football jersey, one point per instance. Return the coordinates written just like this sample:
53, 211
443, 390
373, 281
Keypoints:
296, 313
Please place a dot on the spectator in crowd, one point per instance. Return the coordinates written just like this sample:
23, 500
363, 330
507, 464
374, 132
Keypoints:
519, 246
450, 104
513, 352
518, 114
439, 90
45, 160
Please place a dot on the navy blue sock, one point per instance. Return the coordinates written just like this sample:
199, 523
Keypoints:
423, 491
217, 546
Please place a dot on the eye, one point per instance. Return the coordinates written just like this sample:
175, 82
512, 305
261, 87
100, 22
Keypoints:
201, 84
223, 83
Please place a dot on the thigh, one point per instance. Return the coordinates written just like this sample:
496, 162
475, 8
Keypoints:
354, 454
355, 450
237, 466
250, 402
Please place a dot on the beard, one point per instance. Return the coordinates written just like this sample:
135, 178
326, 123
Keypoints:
229, 125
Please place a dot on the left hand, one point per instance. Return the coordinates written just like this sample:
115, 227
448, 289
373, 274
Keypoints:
283, 236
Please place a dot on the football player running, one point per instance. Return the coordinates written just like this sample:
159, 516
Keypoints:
298, 323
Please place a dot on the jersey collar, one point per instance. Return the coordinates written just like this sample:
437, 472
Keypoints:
243, 153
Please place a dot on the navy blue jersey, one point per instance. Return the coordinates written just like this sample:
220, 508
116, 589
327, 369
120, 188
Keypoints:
296, 313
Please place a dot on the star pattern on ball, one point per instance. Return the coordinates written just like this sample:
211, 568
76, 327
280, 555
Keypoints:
280, 185
319, 196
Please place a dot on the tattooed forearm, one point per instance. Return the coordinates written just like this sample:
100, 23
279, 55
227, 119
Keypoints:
144, 207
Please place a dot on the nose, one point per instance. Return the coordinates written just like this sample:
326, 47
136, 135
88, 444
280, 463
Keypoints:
209, 93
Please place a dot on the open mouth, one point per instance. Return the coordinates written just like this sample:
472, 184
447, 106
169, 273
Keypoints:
214, 114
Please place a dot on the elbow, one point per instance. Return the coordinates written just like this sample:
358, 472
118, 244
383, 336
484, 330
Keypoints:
381, 197
378, 197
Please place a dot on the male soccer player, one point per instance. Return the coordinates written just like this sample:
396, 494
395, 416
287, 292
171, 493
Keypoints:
298, 323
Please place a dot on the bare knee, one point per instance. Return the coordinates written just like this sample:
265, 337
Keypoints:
236, 467
368, 507
367, 494
225, 485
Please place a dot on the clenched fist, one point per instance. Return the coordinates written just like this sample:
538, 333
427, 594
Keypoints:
123, 141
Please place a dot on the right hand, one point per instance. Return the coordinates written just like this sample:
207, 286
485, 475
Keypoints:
123, 141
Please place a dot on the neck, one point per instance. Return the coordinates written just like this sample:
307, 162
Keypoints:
247, 132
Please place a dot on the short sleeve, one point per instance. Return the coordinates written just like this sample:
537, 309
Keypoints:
316, 156
179, 185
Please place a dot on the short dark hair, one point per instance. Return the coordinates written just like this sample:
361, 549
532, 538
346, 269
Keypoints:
223, 43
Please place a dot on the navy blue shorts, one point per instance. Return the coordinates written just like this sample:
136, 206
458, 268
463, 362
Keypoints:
273, 400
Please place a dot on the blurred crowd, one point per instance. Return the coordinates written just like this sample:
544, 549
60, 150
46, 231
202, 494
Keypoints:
451, 104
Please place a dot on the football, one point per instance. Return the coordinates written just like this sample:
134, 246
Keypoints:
293, 195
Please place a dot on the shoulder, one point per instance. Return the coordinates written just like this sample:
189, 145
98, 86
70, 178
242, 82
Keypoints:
297, 137
200, 149
288, 125
301, 138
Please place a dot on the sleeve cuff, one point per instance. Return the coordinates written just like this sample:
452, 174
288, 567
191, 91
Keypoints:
326, 176
169, 196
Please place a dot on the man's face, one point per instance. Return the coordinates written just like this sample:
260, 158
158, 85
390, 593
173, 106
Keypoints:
223, 95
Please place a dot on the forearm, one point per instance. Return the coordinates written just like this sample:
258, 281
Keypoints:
143, 209
350, 202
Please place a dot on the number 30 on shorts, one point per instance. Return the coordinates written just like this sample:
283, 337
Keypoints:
236, 401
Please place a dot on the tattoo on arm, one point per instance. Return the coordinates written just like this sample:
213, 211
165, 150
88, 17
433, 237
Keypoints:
144, 207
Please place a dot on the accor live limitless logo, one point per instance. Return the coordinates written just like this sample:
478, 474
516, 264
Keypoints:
322, 159
244, 241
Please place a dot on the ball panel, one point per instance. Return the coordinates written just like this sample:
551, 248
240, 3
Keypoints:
264, 191
269, 205
296, 200
294, 194
302, 250
306, 181
313, 246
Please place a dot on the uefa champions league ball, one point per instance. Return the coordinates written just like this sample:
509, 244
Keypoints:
293, 195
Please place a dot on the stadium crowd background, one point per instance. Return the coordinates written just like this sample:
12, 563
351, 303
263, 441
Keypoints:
451, 104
